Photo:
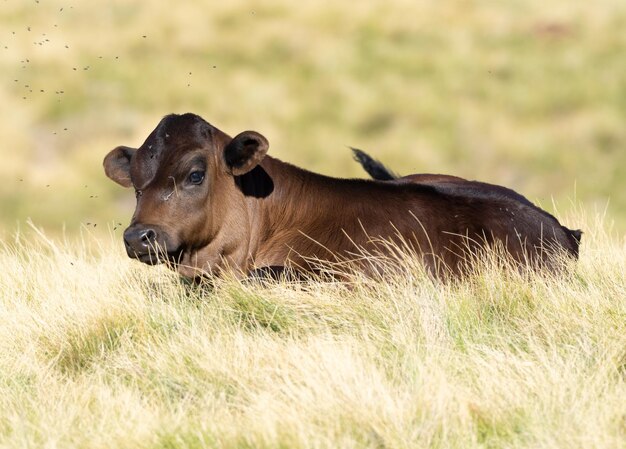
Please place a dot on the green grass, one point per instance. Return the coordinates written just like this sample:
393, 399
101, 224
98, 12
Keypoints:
97, 350
524, 94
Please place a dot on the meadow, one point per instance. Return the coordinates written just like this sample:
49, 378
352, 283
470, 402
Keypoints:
99, 351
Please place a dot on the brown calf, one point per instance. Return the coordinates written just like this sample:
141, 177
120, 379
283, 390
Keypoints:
208, 202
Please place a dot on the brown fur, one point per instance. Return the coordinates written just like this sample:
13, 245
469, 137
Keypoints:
253, 211
380, 172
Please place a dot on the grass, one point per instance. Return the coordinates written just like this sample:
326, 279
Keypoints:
97, 350
526, 94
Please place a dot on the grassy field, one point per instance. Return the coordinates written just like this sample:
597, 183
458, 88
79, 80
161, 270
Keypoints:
528, 94
98, 351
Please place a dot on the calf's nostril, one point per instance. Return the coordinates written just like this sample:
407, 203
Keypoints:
149, 236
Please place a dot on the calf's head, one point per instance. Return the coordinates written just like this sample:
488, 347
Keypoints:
184, 180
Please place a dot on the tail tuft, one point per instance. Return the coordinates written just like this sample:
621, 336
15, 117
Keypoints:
373, 167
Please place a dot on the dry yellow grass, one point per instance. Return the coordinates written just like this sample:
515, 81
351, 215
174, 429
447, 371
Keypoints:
97, 350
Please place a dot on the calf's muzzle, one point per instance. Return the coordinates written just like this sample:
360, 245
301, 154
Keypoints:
143, 242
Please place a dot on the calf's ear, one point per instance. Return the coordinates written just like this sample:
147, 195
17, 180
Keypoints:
244, 152
117, 165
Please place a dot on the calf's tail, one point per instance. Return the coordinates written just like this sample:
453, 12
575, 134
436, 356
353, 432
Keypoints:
373, 167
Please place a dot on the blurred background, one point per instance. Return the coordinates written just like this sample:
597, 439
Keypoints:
528, 94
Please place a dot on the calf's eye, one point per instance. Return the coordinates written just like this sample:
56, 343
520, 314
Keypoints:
196, 177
